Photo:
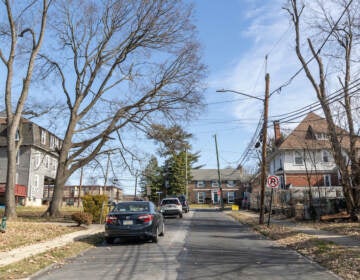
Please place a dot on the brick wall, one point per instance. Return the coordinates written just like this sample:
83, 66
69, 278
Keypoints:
301, 180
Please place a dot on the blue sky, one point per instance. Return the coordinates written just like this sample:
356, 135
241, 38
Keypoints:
236, 36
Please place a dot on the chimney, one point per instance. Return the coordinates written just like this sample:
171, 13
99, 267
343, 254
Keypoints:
277, 133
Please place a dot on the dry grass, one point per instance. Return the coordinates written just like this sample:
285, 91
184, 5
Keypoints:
343, 261
20, 233
57, 256
30, 227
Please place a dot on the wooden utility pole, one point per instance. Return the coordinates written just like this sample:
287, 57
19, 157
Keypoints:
218, 169
186, 175
263, 157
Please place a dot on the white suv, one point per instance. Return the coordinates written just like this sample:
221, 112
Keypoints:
171, 207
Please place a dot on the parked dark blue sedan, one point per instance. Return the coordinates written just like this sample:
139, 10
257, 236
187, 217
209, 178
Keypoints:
138, 219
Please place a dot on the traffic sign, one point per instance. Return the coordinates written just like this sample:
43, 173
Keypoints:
273, 181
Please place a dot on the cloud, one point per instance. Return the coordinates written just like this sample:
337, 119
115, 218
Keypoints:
268, 34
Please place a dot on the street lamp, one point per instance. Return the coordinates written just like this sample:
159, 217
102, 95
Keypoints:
264, 139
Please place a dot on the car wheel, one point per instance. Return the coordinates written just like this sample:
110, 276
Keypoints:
109, 240
180, 215
156, 235
162, 233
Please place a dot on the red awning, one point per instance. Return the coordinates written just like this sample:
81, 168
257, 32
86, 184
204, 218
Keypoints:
20, 190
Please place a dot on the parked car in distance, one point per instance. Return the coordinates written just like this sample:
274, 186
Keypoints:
171, 207
184, 203
139, 219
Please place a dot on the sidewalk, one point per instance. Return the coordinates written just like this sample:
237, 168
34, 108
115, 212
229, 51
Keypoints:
20, 253
343, 240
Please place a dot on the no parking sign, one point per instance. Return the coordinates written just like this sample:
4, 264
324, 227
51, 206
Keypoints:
273, 181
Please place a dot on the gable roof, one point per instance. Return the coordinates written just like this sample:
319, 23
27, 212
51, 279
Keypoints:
304, 135
212, 174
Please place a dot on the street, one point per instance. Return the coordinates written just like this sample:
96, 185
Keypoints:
205, 244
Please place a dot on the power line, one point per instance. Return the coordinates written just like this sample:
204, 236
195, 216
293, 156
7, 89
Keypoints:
289, 81
315, 106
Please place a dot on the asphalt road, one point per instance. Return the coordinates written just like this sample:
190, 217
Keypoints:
205, 244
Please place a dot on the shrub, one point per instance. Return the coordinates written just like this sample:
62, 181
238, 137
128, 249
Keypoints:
82, 218
94, 204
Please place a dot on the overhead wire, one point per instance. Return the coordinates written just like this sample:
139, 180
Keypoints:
336, 96
289, 81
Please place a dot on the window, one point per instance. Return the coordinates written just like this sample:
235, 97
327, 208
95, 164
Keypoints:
56, 143
231, 197
327, 180
37, 160
43, 137
17, 135
52, 142
322, 136
215, 184
17, 178
201, 197
47, 161
325, 156
298, 158
18, 158
54, 164
230, 183
200, 184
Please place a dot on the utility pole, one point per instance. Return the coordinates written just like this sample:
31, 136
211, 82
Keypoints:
264, 139
80, 184
218, 168
106, 172
186, 176
136, 178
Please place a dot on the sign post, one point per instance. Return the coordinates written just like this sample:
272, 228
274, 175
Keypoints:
273, 182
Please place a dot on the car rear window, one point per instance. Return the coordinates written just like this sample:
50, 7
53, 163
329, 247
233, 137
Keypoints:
131, 207
169, 201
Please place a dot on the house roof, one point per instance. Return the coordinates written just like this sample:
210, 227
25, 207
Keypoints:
212, 174
304, 135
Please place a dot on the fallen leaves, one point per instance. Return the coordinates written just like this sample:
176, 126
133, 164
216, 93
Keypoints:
343, 261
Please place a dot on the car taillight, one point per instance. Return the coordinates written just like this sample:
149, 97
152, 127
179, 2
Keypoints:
110, 220
146, 218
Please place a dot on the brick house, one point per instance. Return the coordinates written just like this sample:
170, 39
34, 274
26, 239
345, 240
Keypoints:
305, 156
72, 194
37, 161
204, 186
308, 174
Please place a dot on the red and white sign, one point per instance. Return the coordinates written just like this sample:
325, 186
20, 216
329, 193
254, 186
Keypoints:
273, 181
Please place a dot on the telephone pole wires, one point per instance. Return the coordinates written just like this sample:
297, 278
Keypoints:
263, 157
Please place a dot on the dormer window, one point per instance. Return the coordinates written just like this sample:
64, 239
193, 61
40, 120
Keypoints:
322, 136
298, 158
43, 137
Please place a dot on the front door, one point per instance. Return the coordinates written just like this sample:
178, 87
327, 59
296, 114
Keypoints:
215, 197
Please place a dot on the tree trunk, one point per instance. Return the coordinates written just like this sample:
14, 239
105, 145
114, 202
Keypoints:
57, 198
10, 205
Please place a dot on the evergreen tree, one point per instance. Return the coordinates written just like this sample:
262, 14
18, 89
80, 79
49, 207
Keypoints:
151, 181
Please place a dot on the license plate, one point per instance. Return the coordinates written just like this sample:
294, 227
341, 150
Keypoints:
126, 223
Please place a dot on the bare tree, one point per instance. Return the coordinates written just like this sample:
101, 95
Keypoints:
22, 33
122, 65
338, 32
